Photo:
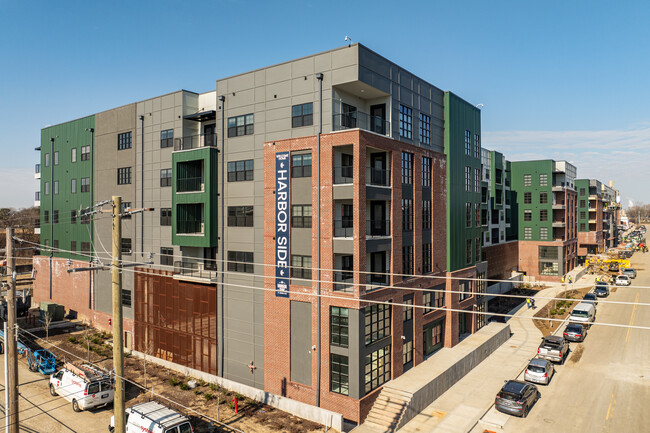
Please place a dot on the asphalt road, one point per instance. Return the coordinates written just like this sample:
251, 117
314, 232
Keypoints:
607, 388
40, 412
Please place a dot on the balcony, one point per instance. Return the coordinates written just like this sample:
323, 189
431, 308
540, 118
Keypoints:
195, 142
377, 176
378, 227
194, 269
37, 171
189, 227
189, 184
343, 174
376, 280
343, 228
559, 223
361, 120
343, 281
37, 199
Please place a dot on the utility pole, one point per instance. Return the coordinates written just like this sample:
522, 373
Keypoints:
118, 349
11, 404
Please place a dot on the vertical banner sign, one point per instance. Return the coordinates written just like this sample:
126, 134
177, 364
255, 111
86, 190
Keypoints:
282, 224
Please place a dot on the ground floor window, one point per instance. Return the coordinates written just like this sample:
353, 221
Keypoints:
407, 352
433, 337
339, 376
377, 369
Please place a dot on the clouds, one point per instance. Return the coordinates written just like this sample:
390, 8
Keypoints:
17, 187
619, 155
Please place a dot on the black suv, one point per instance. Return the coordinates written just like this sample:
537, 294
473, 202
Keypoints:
516, 398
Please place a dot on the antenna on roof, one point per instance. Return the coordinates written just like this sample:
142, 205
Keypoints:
348, 39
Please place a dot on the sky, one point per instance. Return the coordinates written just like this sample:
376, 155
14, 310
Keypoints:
557, 79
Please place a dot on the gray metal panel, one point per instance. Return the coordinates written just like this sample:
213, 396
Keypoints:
301, 242
378, 193
374, 245
301, 354
343, 246
343, 192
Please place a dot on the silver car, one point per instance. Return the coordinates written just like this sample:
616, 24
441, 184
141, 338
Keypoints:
539, 371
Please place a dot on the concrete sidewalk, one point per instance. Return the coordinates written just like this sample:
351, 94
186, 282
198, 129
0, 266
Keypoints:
464, 404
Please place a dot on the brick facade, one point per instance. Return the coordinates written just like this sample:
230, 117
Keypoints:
502, 260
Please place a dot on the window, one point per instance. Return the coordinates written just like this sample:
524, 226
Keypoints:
85, 153
55, 217
377, 368
543, 215
165, 177
46, 216
73, 246
126, 297
240, 216
85, 247
166, 138
124, 140
543, 233
47, 159
426, 258
477, 180
73, 156
240, 261
468, 143
301, 165
477, 146
528, 215
165, 216
339, 326
543, 198
56, 187
477, 215
124, 175
73, 186
125, 206
349, 115
465, 289
405, 122
528, 197
426, 171
85, 218
167, 256
407, 312
240, 125
433, 337
528, 180
47, 188
55, 245
347, 217
407, 352
583, 191
239, 171
425, 129
302, 115
583, 227
339, 375
407, 168
434, 298
468, 215
85, 184
468, 178
477, 249
543, 180
126, 246
377, 322
426, 214
583, 215
301, 267
468, 251
583, 203
407, 214
528, 233
56, 158
407, 261
73, 217
301, 216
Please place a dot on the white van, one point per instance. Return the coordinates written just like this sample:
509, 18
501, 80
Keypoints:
153, 417
584, 312
86, 386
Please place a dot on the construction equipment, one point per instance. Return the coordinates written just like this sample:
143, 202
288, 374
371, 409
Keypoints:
41, 360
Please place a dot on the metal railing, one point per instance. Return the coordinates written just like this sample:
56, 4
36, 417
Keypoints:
377, 279
195, 141
343, 174
193, 268
343, 228
189, 226
343, 281
188, 184
361, 120
377, 176
378, 227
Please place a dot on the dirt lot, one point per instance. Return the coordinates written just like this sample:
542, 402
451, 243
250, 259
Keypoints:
558, 310
205, 398
503, 304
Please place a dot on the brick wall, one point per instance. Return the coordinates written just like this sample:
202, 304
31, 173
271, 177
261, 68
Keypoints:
502, 260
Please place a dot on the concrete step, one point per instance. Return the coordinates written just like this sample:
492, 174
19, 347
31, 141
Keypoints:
388, 405
374, 427
397, 392
387, 425
385, 416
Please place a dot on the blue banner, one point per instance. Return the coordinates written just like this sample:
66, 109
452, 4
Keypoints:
282, 224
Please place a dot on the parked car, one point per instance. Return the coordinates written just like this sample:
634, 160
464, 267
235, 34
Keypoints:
601, 291
86, 386
590, 298
623, 280
539, 371
630, 272
584, 312
153, 417
575, 332
516, 398
553, 348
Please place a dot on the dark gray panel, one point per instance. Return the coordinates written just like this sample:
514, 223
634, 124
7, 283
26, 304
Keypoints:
407, 239
301, 357
407, 192
377, 193
375, 245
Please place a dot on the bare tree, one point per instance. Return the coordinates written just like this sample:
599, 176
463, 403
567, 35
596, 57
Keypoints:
149, 351
48, 320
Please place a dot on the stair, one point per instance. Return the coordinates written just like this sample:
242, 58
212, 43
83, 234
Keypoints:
387, 410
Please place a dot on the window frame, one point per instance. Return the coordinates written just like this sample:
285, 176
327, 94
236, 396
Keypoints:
167, 138
241, 261
300, 269
124, 140
298, 120
247, 126
165, 177
302, 169
124, 176
165, 216
241, 170
240, 216
425, 129
405, 122
339, 326
407, 168
301, 221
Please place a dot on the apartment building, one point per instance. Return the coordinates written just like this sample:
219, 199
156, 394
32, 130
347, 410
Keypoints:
597, 206
545, 204
378, 200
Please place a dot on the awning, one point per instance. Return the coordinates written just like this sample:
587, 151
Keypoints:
202, 116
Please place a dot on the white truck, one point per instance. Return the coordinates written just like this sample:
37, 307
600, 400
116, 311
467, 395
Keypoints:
153, 417
85, 385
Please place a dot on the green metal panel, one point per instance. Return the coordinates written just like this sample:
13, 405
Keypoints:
67, 136
460, 116
583, 196
183, 169
534, 168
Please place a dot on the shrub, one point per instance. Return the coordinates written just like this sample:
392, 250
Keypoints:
208, 396
72, 339
184, 386
201, 382
213, 386
174, 381
97, 340
197, 391
231, 404
553, 312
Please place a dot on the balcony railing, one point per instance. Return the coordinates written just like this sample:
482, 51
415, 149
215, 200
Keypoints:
359, 119
378, 227
189, 184
343, 174
189, 226
377, 279
343, 228
343, 281
193, 268
378, 176
195, 141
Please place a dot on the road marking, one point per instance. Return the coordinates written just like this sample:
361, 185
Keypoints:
636, 300
612, 403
